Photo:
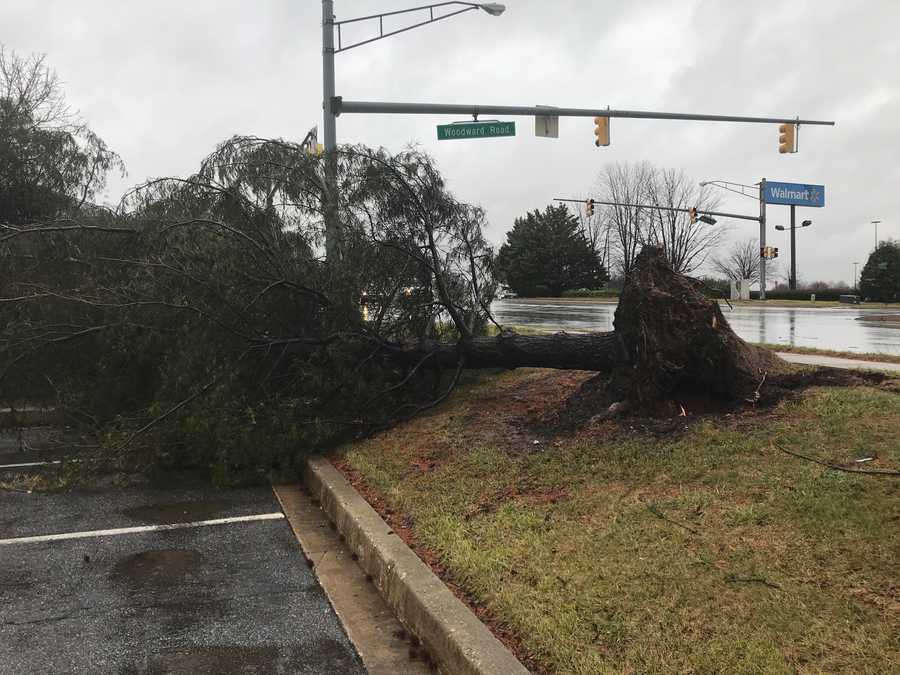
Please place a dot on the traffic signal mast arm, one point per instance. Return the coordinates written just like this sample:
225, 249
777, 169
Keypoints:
339, 106
720, 214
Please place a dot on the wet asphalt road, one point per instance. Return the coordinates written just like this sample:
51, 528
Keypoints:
845, 328
228, 598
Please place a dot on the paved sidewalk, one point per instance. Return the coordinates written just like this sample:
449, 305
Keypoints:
838, 362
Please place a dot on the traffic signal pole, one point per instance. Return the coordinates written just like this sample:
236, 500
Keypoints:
334, 106
332, 226
721, 214
340, 107
330, 134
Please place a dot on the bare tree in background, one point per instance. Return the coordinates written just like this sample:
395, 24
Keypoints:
31, 88
51, 163
741, 261
687, 245
628, 184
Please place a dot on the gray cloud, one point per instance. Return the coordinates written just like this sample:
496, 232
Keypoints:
163, 82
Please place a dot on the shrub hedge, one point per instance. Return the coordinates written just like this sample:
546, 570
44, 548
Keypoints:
804, 294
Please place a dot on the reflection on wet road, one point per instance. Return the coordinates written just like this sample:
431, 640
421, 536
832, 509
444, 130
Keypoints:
825, 328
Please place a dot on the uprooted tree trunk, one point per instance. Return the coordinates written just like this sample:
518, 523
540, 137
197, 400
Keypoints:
670, 339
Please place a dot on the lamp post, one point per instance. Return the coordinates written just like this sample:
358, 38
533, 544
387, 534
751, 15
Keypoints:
792, 282
332, 227
875, 223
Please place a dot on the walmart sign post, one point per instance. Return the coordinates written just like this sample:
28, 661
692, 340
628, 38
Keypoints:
794, 194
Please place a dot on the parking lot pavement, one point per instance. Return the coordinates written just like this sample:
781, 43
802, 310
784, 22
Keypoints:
186, 580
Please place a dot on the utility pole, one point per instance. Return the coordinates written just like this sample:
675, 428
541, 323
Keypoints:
855, 282
332, 226
762, 238
328, 74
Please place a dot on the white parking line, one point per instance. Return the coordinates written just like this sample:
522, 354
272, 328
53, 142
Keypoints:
140, 528
24, 464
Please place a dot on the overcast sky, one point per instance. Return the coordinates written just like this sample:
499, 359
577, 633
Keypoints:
162, 82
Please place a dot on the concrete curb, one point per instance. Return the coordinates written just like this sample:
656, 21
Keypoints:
452, 634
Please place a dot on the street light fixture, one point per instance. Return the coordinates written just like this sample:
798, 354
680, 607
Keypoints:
707, 219
493, 8
805, 223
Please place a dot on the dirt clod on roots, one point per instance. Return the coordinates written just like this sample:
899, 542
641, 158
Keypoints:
679, 343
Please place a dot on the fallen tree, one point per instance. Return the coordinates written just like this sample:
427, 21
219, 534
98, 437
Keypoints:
670, 340
200, 322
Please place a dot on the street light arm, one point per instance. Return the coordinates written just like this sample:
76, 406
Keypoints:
725, 185
490, 8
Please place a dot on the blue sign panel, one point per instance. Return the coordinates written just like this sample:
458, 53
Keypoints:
798, 194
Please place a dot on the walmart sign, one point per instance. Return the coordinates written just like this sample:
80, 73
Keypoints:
798, 194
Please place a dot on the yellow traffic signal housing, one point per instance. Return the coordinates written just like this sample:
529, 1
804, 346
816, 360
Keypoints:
692, 212
787, 138
589, 207
601, 131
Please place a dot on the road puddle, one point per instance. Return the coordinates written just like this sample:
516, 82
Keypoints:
157, 568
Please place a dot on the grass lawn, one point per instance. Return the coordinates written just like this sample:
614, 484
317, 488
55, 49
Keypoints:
621, 547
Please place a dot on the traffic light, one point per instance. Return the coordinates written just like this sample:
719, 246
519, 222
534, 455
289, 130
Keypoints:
601, 131
692, 212
768, 252
787, 138
589, 207
774, 251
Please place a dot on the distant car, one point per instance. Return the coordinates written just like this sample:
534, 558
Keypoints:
508, 294
849, 299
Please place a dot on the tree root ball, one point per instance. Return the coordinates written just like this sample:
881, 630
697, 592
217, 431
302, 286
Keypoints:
678, 342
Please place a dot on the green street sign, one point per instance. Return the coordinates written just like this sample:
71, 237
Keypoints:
447, 132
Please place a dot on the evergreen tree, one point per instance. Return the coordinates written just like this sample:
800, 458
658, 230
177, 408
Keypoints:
545, 254
880, 278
